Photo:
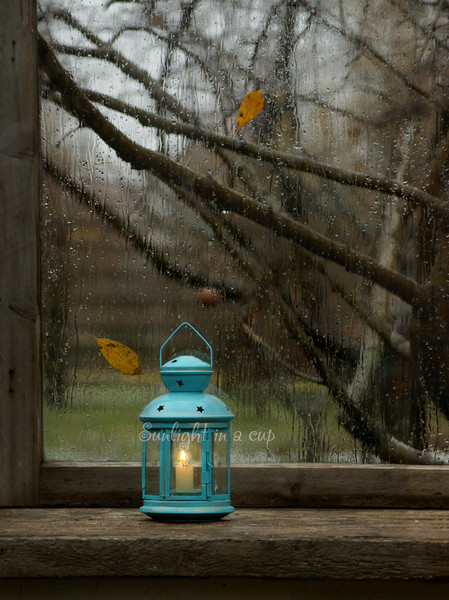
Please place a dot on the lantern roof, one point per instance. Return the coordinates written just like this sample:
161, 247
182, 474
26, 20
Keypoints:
186, 374
186, 407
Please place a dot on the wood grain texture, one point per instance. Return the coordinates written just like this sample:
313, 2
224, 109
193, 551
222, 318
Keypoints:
267, 485
281, 543
19, 295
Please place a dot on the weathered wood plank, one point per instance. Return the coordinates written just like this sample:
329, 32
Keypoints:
267, 485
19, 295
281, 543
90, 484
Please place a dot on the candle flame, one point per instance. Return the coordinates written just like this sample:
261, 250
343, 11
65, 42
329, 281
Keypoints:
183, 456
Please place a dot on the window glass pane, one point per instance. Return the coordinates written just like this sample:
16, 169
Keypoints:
309, 246
221, 462
186, 463
152, 467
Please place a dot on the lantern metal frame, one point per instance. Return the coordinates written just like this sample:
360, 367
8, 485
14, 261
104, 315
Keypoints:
186, 412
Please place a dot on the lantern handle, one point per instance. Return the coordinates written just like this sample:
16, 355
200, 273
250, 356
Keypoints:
197, 333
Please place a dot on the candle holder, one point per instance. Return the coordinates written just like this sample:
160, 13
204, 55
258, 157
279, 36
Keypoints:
186, 444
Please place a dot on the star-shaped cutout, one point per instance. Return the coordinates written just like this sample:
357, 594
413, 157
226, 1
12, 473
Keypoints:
160, 407
179, 382
200, 409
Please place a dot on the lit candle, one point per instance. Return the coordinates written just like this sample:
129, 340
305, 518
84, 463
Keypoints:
183, 475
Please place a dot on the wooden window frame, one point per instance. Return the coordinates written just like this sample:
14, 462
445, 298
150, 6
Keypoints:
28, 481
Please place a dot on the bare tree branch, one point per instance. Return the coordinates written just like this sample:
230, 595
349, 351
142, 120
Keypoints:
274, 355
427, 31
365, 47
384, 445
132, 70
334, 277
301, 163
132, 236
406, 192
174, 174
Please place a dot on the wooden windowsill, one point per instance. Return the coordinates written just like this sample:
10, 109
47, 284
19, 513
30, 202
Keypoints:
269, 485
261, 543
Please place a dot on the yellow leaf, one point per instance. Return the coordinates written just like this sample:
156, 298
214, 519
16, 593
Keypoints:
119, 356
250, 107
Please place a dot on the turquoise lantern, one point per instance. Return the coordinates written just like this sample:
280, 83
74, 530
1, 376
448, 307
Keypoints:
186, 444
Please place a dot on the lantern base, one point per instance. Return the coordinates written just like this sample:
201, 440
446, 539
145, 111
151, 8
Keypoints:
186, 514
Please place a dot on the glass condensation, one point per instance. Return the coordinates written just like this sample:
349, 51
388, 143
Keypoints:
314, 258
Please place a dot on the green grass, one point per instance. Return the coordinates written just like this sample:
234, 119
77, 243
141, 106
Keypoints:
101, 423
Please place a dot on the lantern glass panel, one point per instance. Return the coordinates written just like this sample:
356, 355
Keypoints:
152, 475
220, 449
186, 463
